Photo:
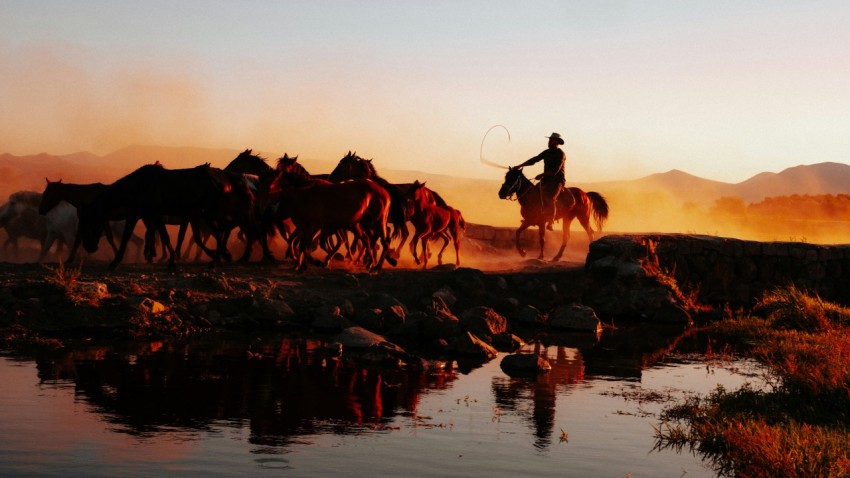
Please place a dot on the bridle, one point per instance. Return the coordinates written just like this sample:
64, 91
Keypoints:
514, 189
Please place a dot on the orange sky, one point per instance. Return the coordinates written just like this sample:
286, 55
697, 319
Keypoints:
722, 90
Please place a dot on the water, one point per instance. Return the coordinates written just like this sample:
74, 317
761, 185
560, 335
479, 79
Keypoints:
278, 406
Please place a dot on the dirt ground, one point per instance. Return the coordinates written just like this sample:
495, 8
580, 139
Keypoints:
52, 301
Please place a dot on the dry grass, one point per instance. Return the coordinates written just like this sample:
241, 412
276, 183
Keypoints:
797, 429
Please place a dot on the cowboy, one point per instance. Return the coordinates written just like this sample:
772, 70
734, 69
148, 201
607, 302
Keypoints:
552, 178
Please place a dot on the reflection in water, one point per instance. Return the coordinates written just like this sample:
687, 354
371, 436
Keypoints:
282, 389
540, 393
167, 402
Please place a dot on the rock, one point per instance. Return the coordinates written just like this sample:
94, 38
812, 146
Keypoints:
97, 290
329, 318
151, 306
370, 318
575, 317
529, 315
393, 317
274, 308
501, 283
384, 301
484, 322
507, 342
446, 294
359, 338
524, 365
439, 321
468, 345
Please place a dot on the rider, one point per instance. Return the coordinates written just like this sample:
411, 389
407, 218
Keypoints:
552, 178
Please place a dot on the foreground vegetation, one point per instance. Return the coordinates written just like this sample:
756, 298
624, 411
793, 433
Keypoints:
798, 425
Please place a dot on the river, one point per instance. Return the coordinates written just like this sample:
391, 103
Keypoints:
221, 405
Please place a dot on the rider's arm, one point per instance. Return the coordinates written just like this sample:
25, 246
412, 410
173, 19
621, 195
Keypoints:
531, 161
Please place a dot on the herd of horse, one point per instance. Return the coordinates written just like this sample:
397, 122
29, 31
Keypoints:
352, 207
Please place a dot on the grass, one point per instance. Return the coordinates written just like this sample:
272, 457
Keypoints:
797, 427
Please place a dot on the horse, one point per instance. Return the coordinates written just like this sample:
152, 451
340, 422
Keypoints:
297, 172
78, 195
59, 225
153, 192
429, 220
352, 166
259, 176
361, 206
27, 224
572, 203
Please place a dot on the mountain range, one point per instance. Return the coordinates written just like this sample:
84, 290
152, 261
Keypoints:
29, 172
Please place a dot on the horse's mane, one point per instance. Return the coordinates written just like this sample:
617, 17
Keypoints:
248, 162
292, 167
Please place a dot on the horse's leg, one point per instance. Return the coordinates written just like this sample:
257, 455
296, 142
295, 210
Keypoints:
125, 237
305, 244
417, 235
200, 242
181, 235
404, 235
542, 238
519, 231
424, 239
565, 237
46, 245
172, 254
444, 234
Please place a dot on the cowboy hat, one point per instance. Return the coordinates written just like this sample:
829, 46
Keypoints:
557, 137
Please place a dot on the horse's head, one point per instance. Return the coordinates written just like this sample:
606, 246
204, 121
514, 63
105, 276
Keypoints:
418, 196
250, 163
513, 181
352, 166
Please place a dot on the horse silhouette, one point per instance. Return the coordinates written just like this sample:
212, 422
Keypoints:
573, 203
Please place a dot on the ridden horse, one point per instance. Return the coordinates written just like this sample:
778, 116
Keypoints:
352, 166
152, 192
60, 224
573, 203
78, 195
429, 219
361, 206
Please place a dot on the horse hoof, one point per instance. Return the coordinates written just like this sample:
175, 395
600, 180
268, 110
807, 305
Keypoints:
392, 261
521, 253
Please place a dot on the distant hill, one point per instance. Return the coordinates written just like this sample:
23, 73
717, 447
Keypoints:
476, 197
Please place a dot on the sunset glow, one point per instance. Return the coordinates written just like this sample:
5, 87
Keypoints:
721, 90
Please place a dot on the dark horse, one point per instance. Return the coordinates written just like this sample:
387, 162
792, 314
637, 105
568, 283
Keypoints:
573, 203
152, 192
265, 216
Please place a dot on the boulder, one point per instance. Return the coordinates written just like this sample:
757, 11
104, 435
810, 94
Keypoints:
468, 345
484, 322
575, 317
524, 365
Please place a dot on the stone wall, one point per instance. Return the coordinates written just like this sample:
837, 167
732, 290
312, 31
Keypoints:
729, 271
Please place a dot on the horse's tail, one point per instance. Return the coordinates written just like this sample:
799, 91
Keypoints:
397, 217
461, 222
599, 208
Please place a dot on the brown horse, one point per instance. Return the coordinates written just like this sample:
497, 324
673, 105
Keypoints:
431, 220
352, 166
361, 206
573, 203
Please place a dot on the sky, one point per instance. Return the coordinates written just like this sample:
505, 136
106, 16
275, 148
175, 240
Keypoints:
722, 89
